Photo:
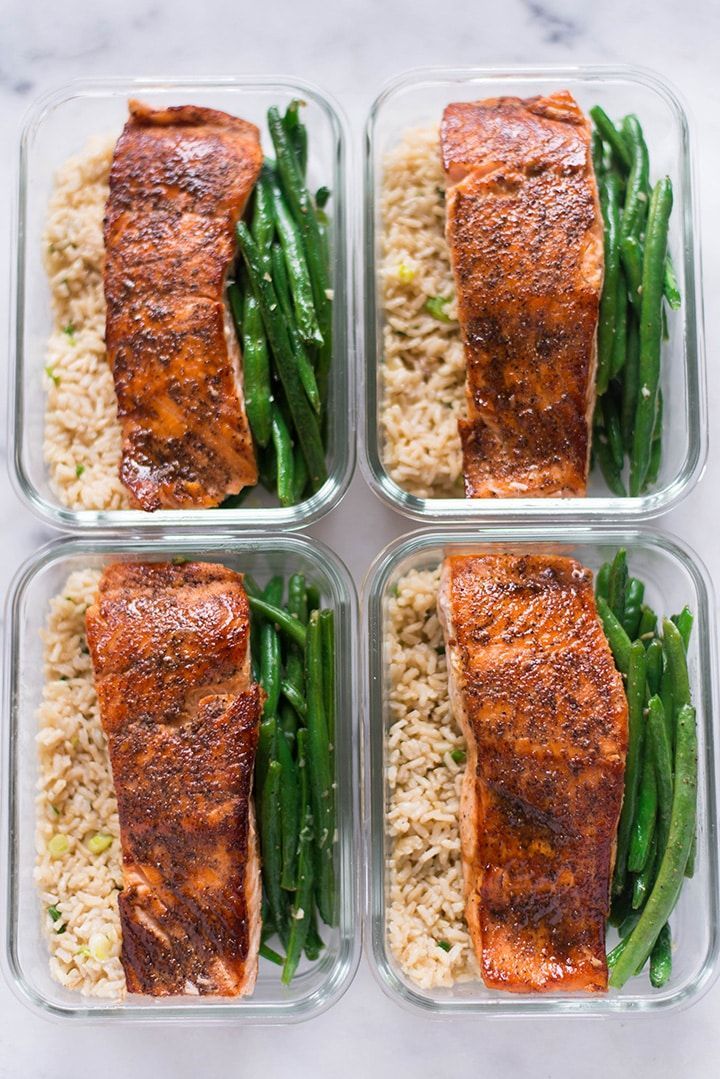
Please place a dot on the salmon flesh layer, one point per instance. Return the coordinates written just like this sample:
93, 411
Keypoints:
170, 650
535, 689
525, 234
180, 180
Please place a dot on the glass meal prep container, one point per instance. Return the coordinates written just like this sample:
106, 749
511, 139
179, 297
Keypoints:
58, 126
417, 99
24, 952
673, 576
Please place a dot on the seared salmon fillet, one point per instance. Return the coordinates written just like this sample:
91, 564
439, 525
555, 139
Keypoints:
535, 689
170, 651
525, 234
180, 179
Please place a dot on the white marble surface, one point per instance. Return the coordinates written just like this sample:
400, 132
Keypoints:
351, 49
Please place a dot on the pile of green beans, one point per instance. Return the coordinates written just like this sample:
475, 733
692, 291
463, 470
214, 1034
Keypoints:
656, 832
639, 278
282, 308
293, 657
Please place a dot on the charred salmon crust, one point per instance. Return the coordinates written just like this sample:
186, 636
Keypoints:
180, 179
169, 646
543, 709
525, 234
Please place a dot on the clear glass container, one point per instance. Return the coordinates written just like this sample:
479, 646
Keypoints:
416, 99
674, 576
57, 126
24, 951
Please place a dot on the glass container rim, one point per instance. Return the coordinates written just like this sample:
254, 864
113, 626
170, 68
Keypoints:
244, 1012
372, 592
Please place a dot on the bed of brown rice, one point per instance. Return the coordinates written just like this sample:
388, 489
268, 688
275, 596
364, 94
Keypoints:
82, 434
426, 927
76, 800
423, 370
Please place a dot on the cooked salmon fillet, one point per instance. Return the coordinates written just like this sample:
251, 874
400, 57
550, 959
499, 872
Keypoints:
525, 234
180, 179
542, 706
170, 649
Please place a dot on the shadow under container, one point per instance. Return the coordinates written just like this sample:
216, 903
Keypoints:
59, 125
673, 576
417, 99
24, 952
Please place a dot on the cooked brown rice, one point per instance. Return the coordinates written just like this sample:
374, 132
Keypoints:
76, 800
425, 914
423, 370
82, 434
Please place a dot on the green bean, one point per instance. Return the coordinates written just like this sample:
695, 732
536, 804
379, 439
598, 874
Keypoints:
297, 133
620, 907
634, 595
648, 623
615, 954
303, 905
266, 952
319, 762
628, 925
304, 213
650, 332
644, 880
661, 959
304, 419
636, 678
270, 668
285, 622
262, 225
662, 758
294, 696
674, 648
612, 136
313, 597
298, 598
630, 388
285, 461
617, 360
597, 150
669, 878
631, 254
267, 466
684, 623
656, 446
670, 284
235, 298
327, 628
617, 585
265, 753
273, 591
636, 194
643, 826
654, 656
611, 425
608, 467
314, 943
288, 719
271, 847
602, 580
666, 696
256, 370
610, 203
297, 269
289, 813
620, 643
300, 472
304, 365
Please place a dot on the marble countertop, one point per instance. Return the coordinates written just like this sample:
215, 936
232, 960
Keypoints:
351, 48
